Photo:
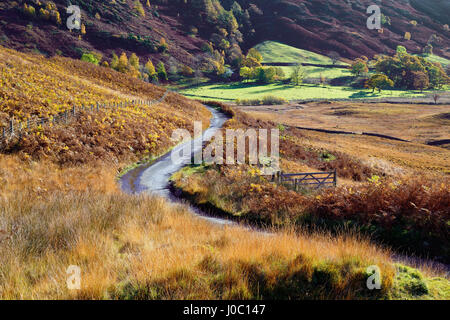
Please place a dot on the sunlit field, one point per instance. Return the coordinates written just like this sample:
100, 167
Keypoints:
233, 91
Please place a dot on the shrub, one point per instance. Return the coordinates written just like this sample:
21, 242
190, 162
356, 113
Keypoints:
139, 8
163, 46
89, 57
266, 100
29, 10
187, 71
44, 14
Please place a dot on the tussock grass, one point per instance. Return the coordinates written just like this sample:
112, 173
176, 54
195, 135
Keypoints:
266, 100
141, 247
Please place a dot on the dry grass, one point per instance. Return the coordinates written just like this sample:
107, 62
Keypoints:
142, 247
403, 207
418, 123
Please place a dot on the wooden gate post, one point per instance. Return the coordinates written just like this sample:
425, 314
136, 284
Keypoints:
11, 126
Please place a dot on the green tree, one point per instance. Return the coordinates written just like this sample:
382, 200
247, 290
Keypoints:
161, 71
401, 50
297, 75
359, 66
89, 57
246, 73
114, 61
379, 81
255, 54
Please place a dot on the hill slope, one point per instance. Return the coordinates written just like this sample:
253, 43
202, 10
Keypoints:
317, 25
32, 87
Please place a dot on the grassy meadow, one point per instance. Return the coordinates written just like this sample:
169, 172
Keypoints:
275, 52
231, 91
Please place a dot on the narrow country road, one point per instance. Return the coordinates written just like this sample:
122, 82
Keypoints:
154, 178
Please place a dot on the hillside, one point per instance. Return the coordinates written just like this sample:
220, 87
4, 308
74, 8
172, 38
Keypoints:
188, 26
32, 87
323, 26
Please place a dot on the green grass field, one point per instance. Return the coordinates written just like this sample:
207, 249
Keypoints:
277, 52
272, 51
230, 92
433, 58
315, 72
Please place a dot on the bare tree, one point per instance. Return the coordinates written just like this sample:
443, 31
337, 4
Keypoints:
334, 56
436, 97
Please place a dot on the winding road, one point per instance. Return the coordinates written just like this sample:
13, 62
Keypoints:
154, 178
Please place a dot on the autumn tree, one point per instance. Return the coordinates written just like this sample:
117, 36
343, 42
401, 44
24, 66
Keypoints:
134, 61
122, 66
421, 80
246, 73
404, 68
379, 81
139, 8
114, 61
150, 68
359, 66
163, 46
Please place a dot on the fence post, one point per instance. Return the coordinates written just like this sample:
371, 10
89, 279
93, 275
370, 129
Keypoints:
335, 177
11, 125
295, 184
73, 111
3, 134
97, 107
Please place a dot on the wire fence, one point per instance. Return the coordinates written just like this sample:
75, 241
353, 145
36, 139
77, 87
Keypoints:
16, 129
